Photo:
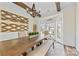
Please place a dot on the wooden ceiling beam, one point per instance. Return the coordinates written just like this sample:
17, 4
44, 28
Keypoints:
58, 6
24, 6
21, 4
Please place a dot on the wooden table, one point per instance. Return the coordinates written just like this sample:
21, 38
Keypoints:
17, 46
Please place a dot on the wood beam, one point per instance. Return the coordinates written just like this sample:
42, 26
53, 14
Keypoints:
24, 6
58, 6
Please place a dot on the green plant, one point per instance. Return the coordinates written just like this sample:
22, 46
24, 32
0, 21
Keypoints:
33, 33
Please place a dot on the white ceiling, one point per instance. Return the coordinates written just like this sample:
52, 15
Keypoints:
48, 8
66, 4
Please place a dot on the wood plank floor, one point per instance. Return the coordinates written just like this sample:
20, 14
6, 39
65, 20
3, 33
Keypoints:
63, 50
70, 51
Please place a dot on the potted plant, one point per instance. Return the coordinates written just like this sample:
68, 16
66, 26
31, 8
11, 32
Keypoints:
33, 34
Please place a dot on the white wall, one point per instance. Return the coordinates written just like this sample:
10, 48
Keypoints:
7, 36
8, 6
69, 33
77, 27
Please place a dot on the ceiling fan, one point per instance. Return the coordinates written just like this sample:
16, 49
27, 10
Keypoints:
32, 11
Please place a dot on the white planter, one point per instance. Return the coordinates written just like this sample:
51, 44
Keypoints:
32, 36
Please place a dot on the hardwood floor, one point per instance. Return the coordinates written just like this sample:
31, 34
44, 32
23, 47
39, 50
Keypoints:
70, 51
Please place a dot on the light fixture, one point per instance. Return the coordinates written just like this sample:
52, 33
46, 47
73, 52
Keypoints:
27, 9
33, 11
